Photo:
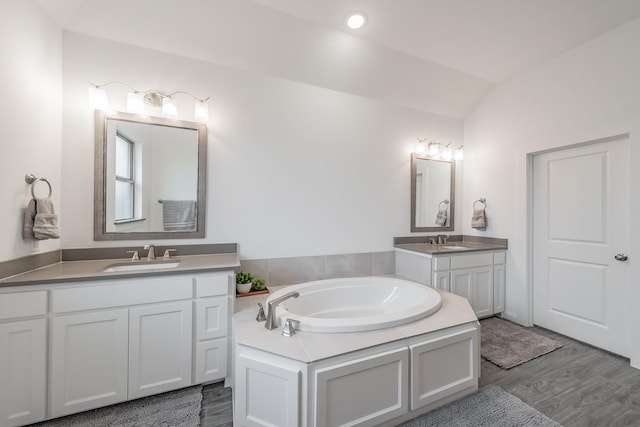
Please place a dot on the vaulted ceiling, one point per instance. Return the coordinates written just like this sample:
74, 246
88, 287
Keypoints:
440, 56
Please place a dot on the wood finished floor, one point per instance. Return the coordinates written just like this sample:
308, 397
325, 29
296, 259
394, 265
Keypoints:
576, 385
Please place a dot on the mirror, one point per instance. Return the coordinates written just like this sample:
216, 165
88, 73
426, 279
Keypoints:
432, 194
150, 178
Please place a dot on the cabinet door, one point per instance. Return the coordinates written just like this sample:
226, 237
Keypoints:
483, 291
211, 360
266, 394
88, 361
366, 391
441, 280
160, 345
211, 317
23, 353
462, 283
443, 366
499, 278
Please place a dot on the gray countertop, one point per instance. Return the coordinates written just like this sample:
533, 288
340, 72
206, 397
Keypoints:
73, 271
453, 247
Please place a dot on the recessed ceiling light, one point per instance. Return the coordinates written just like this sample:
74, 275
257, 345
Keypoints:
356, 20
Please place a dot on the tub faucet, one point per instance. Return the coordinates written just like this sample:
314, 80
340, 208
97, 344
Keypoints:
272, 319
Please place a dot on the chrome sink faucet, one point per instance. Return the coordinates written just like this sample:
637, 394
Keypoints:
272, 319
151, 256
442, 238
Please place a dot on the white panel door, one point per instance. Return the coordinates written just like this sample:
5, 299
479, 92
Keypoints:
23, 380
160, 344
88, 361
580, 223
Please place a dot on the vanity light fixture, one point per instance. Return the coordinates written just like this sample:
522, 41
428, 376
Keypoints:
355, 20
438, 149
136, 101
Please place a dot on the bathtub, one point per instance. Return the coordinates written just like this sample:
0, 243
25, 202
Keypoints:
356, 304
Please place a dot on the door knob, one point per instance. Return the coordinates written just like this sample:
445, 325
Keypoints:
621, 257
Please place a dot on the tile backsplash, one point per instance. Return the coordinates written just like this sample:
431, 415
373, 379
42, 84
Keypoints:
287, 271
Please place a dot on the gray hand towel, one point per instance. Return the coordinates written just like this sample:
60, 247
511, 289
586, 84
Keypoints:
179, 215
441, 217
45, 223
479, 219
29, 216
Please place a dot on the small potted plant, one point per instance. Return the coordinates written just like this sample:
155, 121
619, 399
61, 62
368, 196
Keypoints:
243, 282
258, 284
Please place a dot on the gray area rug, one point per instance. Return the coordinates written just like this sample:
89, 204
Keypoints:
491, 406
507, 345
175, 408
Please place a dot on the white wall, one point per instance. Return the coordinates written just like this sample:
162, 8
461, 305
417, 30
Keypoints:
293, 169
30, 119
590, 92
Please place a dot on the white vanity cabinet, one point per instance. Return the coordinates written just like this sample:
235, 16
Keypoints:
108, 341
23, 357
478, 276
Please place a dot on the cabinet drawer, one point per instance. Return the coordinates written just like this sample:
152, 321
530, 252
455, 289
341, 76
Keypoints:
441, 263
499, 258
475, 260
208, 285
94, 295
23, 304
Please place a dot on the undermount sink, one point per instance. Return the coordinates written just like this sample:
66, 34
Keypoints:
454, 247
137, 266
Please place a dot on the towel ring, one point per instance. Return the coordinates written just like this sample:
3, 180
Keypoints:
444, 202
31, 179
483, 201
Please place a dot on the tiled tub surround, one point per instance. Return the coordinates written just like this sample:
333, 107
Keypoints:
288, 271
423, 364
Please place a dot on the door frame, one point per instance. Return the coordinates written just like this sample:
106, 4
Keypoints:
529, 222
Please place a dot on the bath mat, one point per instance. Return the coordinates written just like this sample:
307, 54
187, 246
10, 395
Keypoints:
491, 406
172, 409
506, 344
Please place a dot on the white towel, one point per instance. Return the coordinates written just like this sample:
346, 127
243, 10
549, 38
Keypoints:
441, 217
40, 220
479, 219
179, 215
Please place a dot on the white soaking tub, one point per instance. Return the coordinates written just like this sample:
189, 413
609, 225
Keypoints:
356, 304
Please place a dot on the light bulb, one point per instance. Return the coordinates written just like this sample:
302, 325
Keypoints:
135, 102
434, 147
420, 149
201, 112
356, 20
98, 99
459, 155
169, 107
446, 153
